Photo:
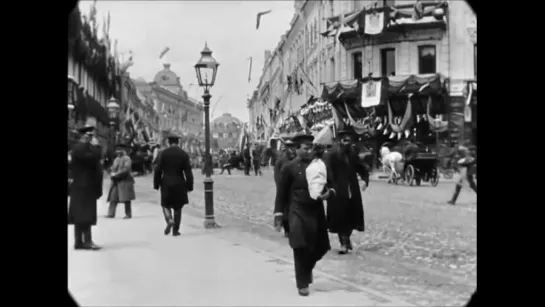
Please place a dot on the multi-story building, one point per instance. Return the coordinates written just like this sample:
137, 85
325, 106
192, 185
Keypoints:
93, 78
140, 122
226, 130
177, 112
444, 43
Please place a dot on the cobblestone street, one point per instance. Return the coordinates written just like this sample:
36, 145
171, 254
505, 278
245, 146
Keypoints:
415, 247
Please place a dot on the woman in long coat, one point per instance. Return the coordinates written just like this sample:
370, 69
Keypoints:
86, 188
122, 187
345, 207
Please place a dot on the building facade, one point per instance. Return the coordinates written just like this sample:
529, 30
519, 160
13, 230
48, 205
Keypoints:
313, 52
140, 122
226, 131
176, 111
93, 77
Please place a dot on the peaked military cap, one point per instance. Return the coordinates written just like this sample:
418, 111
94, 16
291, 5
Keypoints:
85, 129
303, 138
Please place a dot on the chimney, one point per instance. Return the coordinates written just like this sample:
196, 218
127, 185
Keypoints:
267, 55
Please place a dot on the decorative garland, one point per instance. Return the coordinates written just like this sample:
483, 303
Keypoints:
402, 124
436, 126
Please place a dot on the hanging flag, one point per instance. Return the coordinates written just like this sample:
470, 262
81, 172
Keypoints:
250, 70
259, 17
370, 93
165, 51
128, 63
374, 23
307, 80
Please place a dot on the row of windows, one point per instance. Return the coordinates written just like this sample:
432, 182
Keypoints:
224, 135
427, 61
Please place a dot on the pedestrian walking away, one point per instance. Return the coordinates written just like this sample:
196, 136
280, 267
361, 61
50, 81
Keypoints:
468, 171
286, 156
256, 160
308, 226
122, 183
174, 178
246, 156
85, 188
345, 208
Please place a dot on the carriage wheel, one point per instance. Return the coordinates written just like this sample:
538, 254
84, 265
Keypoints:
434, 177
409, 175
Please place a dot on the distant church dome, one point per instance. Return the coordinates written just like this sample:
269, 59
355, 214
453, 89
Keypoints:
226, 129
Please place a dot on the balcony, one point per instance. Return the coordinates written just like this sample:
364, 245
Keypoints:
398, 21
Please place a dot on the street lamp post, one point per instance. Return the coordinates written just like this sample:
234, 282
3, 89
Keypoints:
206, 69
113, 113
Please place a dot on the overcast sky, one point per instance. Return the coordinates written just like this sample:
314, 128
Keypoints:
147, 27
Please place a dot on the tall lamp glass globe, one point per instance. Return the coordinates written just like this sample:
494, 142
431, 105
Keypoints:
206, 68
113, 109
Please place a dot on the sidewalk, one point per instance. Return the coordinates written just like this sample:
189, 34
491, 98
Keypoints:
139, 266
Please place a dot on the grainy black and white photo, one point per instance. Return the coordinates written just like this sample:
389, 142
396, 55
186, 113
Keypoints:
272, 153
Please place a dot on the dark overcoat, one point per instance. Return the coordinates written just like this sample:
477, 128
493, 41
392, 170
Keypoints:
86, 186
308, 225
173, 176
280, 163
122, 185
345, 213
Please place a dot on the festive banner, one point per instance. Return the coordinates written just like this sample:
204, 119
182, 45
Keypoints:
374, 23
370, 93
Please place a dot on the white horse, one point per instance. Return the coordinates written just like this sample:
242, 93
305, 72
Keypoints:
391, 160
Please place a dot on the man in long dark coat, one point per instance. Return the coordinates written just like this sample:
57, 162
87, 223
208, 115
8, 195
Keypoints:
247, 157
174, 177
86, 188
308, 226
345, 208
286, 156
256, 159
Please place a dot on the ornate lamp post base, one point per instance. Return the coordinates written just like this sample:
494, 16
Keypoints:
209, 220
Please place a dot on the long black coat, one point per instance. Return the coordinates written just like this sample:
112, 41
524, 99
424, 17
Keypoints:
280, 163
86, 187
174, 177
308, 226
344, 214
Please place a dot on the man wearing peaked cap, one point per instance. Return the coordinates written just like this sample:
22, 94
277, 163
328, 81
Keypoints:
346, 133
174, 178
86, 188
308, 226
86, 129
345, 208
287, 154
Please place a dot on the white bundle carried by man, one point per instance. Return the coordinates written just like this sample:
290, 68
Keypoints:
316, 177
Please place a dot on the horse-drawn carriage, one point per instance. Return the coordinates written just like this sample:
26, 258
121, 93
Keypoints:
421, 167
417, 164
